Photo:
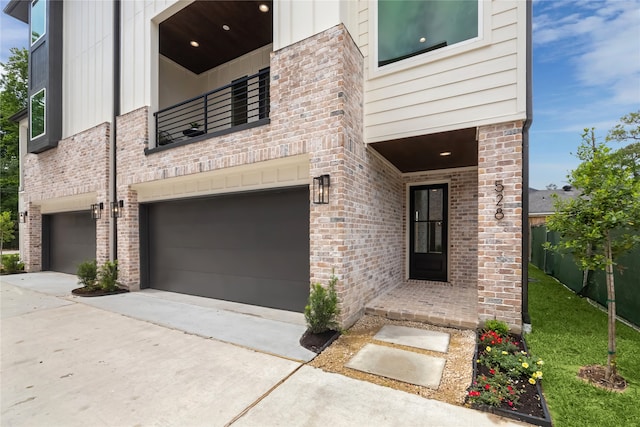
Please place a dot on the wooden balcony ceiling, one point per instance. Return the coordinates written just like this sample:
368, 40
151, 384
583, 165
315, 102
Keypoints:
422, 153
203, 21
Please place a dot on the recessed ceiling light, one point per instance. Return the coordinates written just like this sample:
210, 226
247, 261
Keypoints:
263, 8
226, 27
445, 153
194, 43
423, 39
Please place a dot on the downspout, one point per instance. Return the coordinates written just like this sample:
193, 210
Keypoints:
526, 319
114, 127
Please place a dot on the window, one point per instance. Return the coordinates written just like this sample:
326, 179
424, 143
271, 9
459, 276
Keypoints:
408, 28
37, 114
38, 20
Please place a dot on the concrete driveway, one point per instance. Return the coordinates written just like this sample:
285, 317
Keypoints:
67, 363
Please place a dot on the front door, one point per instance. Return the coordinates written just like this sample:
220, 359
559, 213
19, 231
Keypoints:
428, 231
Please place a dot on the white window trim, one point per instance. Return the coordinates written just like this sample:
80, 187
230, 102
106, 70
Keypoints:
30, 21
483, 39
44, 127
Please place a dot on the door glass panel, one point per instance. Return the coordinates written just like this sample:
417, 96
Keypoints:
421, 205
435, 204
435, 234
421, 238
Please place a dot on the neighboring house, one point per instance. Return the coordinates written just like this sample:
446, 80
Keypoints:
241, 149
541, 203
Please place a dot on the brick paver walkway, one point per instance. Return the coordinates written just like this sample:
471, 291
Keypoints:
438, 304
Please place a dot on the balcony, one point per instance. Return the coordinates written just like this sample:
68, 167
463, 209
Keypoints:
242, 104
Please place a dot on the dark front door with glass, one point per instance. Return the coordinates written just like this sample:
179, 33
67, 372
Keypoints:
428, 231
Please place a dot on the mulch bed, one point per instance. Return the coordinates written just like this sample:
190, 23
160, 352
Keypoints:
531, 406
91, 292
595, 374
318, 342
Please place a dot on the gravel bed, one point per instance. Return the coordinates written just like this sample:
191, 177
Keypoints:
457, 371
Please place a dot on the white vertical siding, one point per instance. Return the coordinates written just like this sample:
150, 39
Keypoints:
296, 20
87, 65
469, 85
139, 54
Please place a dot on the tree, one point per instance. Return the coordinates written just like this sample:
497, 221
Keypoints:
13, 98
602, 222
6, 230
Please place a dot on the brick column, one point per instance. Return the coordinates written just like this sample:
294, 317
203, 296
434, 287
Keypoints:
33, 239
500, 231
102, 229
129, 240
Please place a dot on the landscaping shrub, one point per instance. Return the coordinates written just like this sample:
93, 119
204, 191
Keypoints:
322, 310
108, 276
11, 263
87, 273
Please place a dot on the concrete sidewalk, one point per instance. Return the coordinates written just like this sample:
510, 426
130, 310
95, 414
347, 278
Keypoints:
66, 363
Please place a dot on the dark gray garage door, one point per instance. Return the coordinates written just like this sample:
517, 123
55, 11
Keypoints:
68, 239
251, 248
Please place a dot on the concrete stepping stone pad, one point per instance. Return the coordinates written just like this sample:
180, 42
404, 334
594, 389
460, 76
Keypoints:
414, 337
397, 364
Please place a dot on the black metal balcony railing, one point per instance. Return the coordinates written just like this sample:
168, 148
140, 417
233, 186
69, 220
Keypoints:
243, 101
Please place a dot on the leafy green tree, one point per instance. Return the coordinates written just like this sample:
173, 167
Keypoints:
602, 222
13, 98
6, 229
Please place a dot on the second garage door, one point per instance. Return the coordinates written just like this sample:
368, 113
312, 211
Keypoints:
68, 239
251, 248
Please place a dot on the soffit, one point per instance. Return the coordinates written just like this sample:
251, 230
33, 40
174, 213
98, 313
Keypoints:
422, 153
202, 21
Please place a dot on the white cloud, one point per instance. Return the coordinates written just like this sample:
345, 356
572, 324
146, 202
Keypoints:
600, 39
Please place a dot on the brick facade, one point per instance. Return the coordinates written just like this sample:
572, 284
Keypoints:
79, 165
317, 111
500, 239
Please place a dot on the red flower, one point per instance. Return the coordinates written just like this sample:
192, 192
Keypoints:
509, 388
487, 386
492, 371
511, 404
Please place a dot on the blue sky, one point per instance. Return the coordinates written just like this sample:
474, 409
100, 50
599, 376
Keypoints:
586, 73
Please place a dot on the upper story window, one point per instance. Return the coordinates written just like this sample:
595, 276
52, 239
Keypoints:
38, 20
37, 114
408, 28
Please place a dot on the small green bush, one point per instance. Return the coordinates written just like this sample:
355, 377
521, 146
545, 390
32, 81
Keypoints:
11, 263
322, 311
500, 327
108, 276
87, 273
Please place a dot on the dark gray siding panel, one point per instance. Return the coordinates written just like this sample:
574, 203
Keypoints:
71, 238
251, 248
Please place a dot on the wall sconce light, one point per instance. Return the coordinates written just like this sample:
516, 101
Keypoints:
321, 186
96, 210
22, 217
116, 209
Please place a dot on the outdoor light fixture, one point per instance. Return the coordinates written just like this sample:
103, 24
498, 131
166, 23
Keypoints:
22, 217
116, 209
96, 210
321, 186
263, 8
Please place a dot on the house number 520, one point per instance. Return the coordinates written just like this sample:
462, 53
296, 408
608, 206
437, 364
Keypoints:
500, 195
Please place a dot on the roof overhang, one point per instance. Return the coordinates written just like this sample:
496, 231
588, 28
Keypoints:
22, 114
18, 9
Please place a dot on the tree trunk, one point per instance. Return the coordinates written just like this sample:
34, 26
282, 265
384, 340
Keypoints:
611, 304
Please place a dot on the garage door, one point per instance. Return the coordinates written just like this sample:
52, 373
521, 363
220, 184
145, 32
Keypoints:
68, 239
251, 248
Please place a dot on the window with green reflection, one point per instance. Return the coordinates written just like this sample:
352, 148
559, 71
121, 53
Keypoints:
408, 28
38, 19
37, 114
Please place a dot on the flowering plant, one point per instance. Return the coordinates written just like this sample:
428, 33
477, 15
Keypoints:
507, 370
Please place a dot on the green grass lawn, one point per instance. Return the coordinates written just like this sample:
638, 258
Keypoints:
569, 333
